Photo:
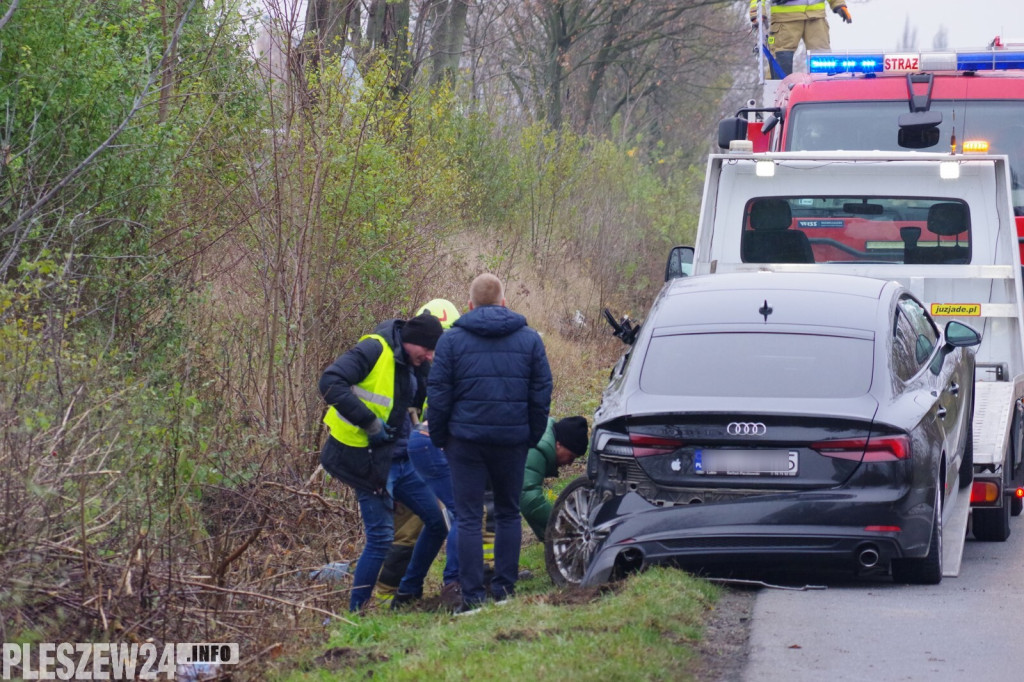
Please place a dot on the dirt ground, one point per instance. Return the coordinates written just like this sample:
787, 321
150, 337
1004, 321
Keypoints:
726, 633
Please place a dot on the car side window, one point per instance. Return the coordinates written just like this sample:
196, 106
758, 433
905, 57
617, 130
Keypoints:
915, 337
904, 347
926, 334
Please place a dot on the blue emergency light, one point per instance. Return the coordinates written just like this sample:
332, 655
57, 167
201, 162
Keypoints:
848, 63
989, 61
910, 62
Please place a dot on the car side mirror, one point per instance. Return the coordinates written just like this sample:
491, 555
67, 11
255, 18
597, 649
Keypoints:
680, 262
729, 129
959, 335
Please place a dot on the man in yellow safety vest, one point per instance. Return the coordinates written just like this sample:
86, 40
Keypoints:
370, 389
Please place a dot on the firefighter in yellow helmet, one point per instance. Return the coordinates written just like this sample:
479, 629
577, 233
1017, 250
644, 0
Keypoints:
442, 309
793, 21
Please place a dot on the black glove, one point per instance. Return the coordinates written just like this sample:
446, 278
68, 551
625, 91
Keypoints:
844, 13
384, 434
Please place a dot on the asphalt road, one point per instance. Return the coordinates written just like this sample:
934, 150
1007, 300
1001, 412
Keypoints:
966, 628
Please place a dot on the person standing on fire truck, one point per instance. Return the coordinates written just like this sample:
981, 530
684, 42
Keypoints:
793, 20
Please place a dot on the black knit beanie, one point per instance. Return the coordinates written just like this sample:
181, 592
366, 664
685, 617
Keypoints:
422, 330
572, 433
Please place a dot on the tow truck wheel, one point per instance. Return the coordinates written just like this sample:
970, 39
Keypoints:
928, 570
570, 540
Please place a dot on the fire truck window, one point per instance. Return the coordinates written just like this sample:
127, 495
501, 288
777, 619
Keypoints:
856, 126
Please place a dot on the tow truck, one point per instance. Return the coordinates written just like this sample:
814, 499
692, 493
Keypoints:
963, 101
941, 224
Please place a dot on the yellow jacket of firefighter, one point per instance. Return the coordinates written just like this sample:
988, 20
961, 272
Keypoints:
797, 10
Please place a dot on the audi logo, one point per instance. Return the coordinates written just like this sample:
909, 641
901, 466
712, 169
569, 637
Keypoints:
746, 429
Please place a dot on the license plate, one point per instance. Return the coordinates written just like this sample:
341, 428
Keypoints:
746, 462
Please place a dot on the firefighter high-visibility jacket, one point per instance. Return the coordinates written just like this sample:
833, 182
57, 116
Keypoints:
797, 10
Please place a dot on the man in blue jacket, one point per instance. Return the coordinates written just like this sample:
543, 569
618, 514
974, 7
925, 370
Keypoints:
489, 392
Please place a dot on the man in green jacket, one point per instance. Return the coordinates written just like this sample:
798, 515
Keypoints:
561, 444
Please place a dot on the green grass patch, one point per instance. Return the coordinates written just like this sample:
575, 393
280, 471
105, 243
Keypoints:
644, 628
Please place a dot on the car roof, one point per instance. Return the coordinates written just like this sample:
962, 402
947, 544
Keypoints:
821, 300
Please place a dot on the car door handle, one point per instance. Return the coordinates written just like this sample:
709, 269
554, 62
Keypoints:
941, 413
954, 388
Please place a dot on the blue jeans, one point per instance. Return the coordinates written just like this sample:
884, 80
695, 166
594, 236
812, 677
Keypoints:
471, 464
432, 466
407, 487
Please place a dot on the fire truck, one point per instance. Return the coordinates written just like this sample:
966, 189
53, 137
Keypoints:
963, 101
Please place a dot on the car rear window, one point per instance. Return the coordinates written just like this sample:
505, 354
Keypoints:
758, 365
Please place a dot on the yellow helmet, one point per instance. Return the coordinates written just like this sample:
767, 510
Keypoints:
442, 309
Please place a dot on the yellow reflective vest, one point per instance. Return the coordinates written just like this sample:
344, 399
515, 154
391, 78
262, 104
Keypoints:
797, 10
377, 391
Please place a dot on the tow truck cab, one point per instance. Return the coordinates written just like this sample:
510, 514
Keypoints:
963, 102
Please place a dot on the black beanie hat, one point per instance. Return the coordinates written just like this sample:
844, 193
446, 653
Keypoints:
422, 330
572, 433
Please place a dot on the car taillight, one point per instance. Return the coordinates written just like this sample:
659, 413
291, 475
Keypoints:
886, 449
644, 445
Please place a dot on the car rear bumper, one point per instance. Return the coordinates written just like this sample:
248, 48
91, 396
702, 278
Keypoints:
821, 530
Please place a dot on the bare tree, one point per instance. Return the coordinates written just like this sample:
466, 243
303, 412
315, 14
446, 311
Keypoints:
908, 41
586, 62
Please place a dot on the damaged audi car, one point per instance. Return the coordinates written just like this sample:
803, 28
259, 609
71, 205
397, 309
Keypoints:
776, 419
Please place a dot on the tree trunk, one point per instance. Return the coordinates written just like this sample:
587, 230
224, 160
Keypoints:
388, 33
447, 39
608, 53
557, 54
327, 23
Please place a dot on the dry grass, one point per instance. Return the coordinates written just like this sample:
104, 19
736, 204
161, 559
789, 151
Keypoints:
563, 306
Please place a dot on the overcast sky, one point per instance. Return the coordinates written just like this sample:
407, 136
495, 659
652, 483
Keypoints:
879, 24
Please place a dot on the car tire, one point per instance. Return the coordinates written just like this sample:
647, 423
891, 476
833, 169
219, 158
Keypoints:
1016, 506
965, 474
927, 570
570, 540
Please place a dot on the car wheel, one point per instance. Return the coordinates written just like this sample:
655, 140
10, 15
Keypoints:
570, 540
966, 471
926, 571
1016, 506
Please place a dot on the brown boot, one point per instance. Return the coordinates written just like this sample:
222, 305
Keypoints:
451, 596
